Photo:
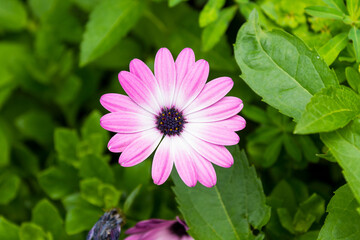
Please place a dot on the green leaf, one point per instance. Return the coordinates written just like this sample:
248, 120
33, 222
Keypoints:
5, 149
109, 22
212, 34
131, 198
9, 186
325, 12
337, 4
66, 141
95, 167
309, 148
354, 35
210, 12
342, 221
353, 78
31, 231
333, 47
280, 67
8, 230
60, 181
220, 212
353, 8
47, 216
12, 15
173, 3
344, 145
272, 152
328, 110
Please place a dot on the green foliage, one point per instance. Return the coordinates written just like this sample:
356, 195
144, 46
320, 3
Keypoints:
8, 230
220, 212
9, 186
13, 15
31, 231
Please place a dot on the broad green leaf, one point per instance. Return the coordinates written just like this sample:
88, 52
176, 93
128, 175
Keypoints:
221, 212
333, 47
31, 231
13, 15
280, 67
9, 186
46, 215
354, 35
210, 12
8, 230
353, 9
337, 4
344, 145
353, 78
109, 22
66, 141
342, 221
5, 148
212, 34
92, 166
60, 181
325, 12
328, 110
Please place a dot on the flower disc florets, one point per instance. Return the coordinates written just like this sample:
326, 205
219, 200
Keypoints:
170, 121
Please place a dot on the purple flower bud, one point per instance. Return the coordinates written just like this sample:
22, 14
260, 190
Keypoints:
159, 229
108, 227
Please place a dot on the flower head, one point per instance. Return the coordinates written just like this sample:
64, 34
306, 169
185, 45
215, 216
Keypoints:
187, 120
108, 227
159, 229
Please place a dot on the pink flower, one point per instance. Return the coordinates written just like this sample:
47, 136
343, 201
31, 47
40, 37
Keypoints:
188, 120
160, 230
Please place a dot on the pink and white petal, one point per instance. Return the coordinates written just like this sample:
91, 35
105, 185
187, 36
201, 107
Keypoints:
213, 133
183, 161
159, 234
115, 102
216, 154
192, 84
126, 122
206, 174
142, 71
134, 237
165, 74
138, 91
211, 93
223, 109
186, 237
121, 140
163, 161
141, 148
235, 123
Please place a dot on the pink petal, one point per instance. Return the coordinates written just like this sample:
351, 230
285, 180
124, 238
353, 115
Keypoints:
141, 148
165, 74
121, 140
205, 171
235, 123
163, 161
159, 234
115, 102
213, 133
223, 109
216, 154
138, 91
134, 237
142, 71
183, 161
211, 93
192, 84
127, 122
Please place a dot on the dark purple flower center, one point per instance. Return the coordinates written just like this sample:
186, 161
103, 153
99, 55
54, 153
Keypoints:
170, 121
178, 229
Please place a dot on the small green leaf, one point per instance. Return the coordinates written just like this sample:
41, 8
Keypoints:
280, 67
325, 12
66, 141
220, 212
272, 152
95, 167
8, 230
333, 47
109, 22
328, 110
9, 186
173, 3
353, 8
46, 215
353, 78
292, 147
337, 4
212, 34
342, 221
12, 15
131, 198
5, 149
31, 231
344, 145
309, 148
354, 35
210, 12
60, 181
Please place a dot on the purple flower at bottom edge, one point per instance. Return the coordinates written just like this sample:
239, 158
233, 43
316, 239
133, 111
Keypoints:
108, 227
159, 229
